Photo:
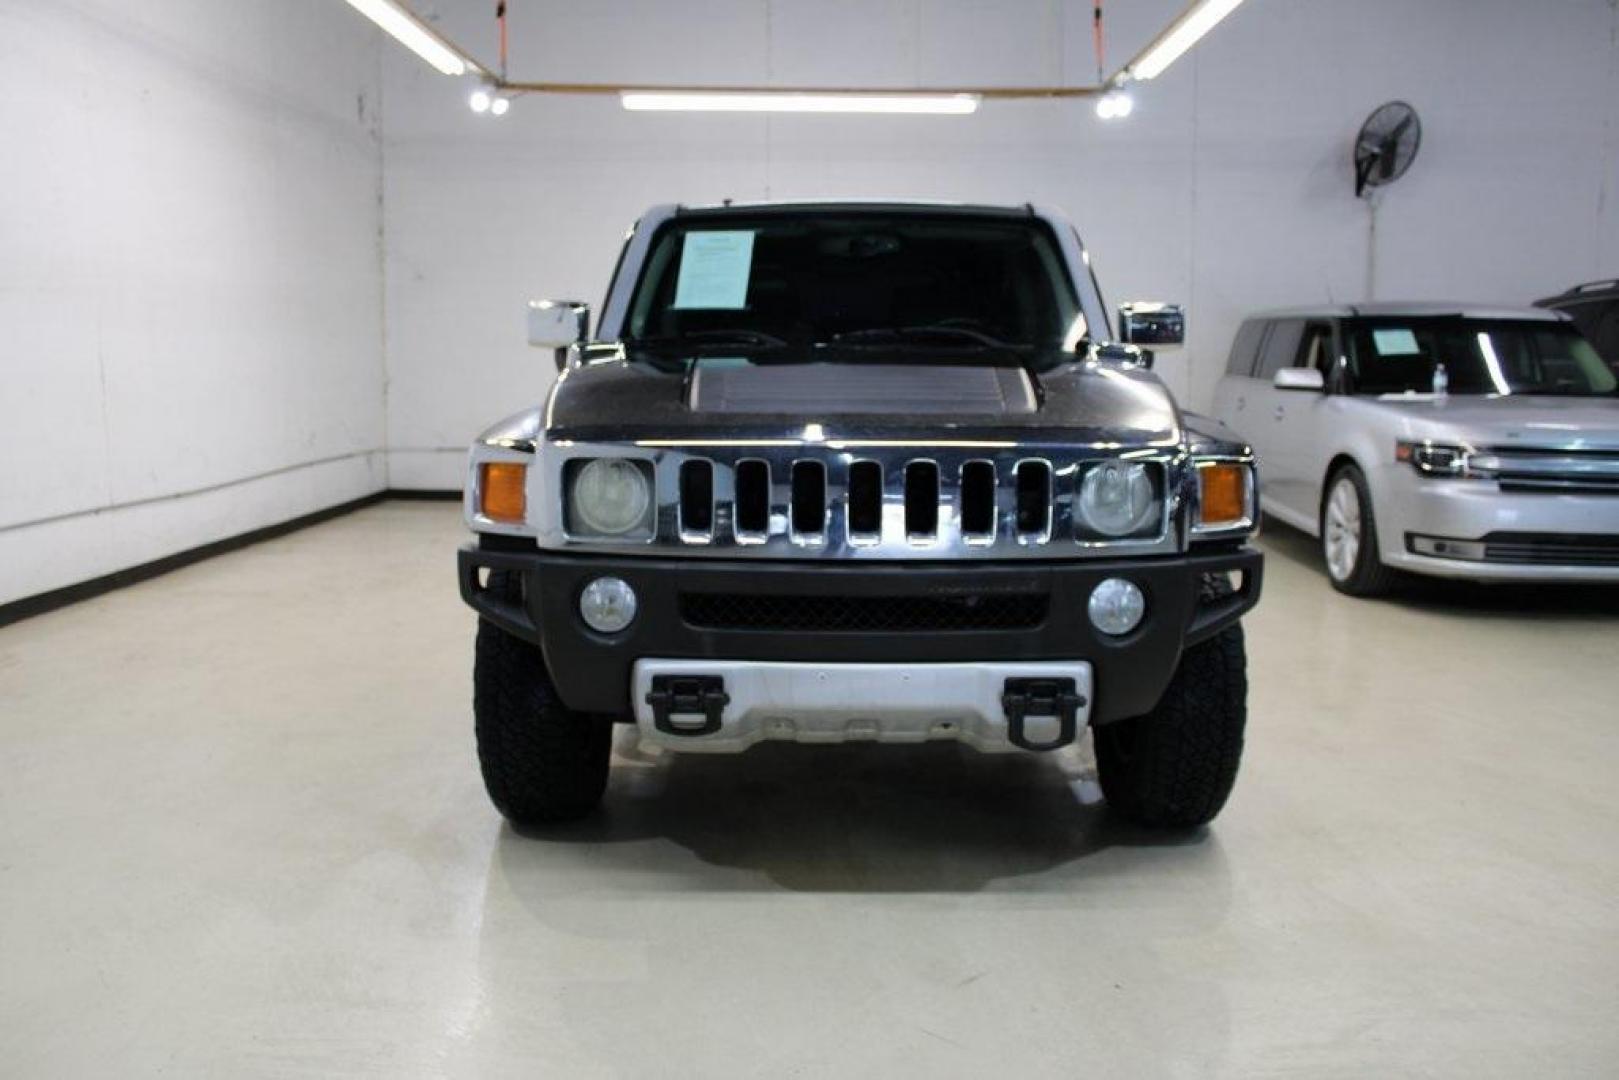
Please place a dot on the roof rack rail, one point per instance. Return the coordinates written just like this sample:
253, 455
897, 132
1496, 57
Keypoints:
1592, 286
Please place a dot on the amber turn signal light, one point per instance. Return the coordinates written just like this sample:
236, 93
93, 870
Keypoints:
500, 490
1224, 491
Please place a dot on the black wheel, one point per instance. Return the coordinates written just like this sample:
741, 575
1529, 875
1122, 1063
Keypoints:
1174, 767
541, 761
1349, 537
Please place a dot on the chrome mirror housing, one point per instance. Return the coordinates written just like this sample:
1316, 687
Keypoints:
558, 325
1150, 322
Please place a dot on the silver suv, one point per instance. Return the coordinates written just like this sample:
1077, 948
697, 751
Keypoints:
1440, 439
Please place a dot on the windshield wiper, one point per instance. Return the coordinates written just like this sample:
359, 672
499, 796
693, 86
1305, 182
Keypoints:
888, 335
699, 339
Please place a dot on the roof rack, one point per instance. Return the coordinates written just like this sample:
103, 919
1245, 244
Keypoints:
1593, 286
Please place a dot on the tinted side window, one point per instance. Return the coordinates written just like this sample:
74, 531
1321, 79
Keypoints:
1315, 350
1586, 316
1281, 347
1605, 335
1245, 347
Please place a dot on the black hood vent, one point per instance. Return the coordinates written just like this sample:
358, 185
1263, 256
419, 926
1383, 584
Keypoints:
832, 389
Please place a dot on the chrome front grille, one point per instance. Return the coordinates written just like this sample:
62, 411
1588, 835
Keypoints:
1558, 472
874, 500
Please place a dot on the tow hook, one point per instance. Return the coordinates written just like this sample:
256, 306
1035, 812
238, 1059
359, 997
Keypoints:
689, 695
1023, 698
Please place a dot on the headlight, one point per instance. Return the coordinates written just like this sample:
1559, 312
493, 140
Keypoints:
1439, 460
609, 497
1117, 499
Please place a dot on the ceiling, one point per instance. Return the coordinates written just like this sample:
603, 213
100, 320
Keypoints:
898, 43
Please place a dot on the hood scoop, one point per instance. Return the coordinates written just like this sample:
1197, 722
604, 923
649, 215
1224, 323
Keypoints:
732, 386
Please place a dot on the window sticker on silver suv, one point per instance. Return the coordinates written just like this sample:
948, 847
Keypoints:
714, 270
1396, 341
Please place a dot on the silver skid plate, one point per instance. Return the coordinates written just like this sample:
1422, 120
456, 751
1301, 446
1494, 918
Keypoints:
834, 703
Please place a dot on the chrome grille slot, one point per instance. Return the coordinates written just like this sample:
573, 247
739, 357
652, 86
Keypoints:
697, 501
865, 502
1556, 472
752, 511
1033, 482
922, 501
977, 501
808, 510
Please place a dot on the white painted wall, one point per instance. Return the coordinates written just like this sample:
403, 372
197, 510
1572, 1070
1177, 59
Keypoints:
200, 334
190, 276
1228, 190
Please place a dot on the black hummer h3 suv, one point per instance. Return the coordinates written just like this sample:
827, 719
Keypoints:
830, 472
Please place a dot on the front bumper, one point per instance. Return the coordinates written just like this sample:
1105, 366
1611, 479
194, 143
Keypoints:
593, 672
1477, 512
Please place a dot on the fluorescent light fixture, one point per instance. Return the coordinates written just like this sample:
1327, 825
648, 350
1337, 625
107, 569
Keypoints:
795, 102
410, 32
1193, 23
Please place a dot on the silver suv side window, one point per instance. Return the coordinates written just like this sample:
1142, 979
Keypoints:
1605, 335
1316, 350
1281, 347
1245, 349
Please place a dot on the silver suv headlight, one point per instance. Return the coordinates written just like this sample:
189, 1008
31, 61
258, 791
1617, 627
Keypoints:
1118, 499
1444, 460
609, 497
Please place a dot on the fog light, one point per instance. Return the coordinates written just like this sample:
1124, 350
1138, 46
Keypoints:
1117, 606
607, 605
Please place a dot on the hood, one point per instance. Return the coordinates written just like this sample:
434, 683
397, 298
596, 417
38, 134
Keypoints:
1590, 423
1087, 401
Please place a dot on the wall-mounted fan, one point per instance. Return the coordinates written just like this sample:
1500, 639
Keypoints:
1386, 145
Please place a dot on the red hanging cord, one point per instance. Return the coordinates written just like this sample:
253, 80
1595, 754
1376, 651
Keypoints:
500, 18
1096, 33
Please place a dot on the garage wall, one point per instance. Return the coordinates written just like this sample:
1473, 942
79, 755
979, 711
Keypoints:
190, 276
1228, 190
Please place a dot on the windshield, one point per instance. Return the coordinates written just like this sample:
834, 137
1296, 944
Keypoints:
1480, 356
853, 287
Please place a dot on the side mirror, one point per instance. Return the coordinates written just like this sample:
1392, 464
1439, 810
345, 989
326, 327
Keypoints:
558, 325
1300, 378
1148, 322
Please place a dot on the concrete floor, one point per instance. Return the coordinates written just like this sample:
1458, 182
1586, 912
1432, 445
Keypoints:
242, 833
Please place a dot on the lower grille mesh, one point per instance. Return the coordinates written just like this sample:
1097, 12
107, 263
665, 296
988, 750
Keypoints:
1565, 549
898, 614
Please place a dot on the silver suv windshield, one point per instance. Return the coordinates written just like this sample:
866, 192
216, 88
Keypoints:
853, 287
1480, 356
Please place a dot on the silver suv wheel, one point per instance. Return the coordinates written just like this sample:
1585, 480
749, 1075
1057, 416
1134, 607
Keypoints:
1340, 538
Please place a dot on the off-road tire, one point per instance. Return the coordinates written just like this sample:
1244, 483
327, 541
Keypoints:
541, 761
1175, 766
1369, 577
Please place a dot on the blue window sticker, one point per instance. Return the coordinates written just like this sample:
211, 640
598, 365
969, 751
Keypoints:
714, 268
1397, 342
